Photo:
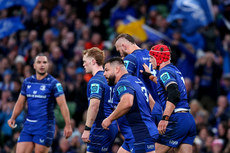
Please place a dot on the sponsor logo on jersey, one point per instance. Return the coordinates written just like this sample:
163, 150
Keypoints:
139, 81
164, 77
146, 58
178, 72
34, 95
42, 87
173, 142
150, 146
104, 149
95, 88
41, 140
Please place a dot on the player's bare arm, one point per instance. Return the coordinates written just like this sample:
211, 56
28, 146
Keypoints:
173, 99
65, 113
91, 116
151, 102
17, 110
123, 107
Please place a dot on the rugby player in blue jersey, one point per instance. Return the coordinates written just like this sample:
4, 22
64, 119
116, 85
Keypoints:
41, 91
133, 105
177, 127
134, 57
100, 104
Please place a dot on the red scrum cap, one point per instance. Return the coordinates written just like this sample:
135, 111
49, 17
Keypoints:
161, 53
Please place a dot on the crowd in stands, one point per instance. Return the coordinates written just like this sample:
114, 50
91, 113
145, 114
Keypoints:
62, 29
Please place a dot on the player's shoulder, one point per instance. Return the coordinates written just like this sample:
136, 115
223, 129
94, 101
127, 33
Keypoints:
125, 80
124, 84
51, 79
30, 79
99, 79
139, 52
170, 68
130, 57
167, 72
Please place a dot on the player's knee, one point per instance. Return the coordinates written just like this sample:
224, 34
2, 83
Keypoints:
41, 149
185, 148
160, 148
122, 150
151, 152
24, 147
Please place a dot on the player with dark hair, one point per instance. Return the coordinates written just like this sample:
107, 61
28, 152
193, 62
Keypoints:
133, 109
100, 104
134, 58
41, 91
177, 127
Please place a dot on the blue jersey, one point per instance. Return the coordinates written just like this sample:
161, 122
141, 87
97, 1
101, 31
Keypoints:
101, 140
167, 75
98, 88
41, 97
137, 125
134, 63
181, 128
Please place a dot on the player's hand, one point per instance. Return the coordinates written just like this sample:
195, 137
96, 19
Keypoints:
162, 126
106, 123
11, 123
67, 131
146, 72
146, 68
85, 136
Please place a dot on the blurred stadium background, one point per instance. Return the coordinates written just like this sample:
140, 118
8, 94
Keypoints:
198, 32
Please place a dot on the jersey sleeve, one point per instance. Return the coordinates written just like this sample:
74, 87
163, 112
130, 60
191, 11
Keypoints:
122, 89
95, 89
130, 64
23, 89
58, 89
167, 77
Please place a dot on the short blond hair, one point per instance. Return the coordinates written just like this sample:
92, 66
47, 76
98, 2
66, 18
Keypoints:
95, 53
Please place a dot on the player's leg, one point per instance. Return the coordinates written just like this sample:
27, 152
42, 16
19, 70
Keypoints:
122, 150
186, 144
43, 138
161, 148
184, 148
101, 140
25, 142
42, 143
151, 152
150, 144
24, 147
41, 149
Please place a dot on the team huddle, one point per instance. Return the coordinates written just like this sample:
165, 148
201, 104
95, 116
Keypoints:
140, 93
